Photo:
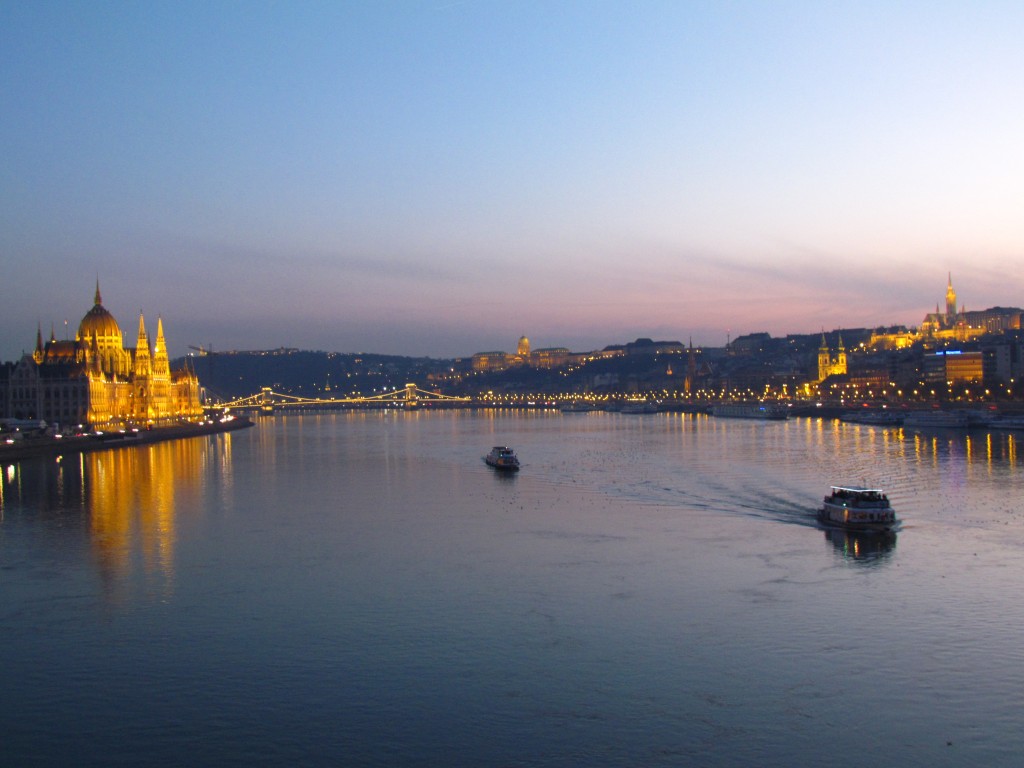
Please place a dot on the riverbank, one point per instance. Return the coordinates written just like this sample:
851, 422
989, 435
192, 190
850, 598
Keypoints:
29, 448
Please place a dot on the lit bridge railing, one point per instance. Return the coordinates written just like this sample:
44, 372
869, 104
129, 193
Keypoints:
409, 397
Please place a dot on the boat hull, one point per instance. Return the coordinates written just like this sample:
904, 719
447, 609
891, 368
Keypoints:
936, 420
503, 466
751, 411
854, 518
873, 418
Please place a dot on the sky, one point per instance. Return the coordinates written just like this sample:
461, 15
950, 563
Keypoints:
441, 177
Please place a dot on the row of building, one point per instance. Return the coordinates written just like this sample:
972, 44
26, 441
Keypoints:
97, 380
949, 347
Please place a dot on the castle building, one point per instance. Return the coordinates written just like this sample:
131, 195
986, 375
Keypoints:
96, 380
492, 362
549, 357
523, 348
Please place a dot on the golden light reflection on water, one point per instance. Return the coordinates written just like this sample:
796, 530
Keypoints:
132, 500
862, 548
979, 452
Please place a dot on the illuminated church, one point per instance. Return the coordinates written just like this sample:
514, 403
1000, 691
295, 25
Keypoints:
96, 380
829, 365
944, 323
957, 324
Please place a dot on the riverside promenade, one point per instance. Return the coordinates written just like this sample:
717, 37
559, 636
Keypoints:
43, 446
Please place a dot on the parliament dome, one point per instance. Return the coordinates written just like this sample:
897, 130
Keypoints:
99, 322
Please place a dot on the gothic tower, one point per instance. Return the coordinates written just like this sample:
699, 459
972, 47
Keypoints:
824, 359
160, 383
142, 406
142, 359
950, 301
38, 354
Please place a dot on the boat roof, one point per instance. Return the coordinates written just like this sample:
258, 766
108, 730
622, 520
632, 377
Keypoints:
856, 489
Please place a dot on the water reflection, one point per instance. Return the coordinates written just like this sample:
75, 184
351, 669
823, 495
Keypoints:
862, 548
977, 450
129, 502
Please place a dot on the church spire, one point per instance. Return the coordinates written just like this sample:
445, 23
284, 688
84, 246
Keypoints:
37, 355
143, 368
161, 365
99, 299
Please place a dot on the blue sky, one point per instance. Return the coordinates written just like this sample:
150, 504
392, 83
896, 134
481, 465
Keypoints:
439, 178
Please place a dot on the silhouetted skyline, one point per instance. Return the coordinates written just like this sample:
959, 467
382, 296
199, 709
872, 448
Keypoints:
437, 179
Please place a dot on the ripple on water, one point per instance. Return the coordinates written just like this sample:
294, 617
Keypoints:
361, 589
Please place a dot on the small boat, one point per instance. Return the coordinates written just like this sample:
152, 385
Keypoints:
502, 457
857, 508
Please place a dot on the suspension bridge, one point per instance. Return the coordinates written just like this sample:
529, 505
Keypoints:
267, 400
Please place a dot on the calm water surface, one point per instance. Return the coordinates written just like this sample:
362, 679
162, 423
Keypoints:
360, 589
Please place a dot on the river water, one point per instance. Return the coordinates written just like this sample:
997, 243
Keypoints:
360, 589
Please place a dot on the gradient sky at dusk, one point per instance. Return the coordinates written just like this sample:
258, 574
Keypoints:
438, 178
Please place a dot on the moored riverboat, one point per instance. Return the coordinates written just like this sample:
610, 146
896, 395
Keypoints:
857, 508
767, 411
577, 406
638, 406
873, 417
503, 458
937, 419
1009, 422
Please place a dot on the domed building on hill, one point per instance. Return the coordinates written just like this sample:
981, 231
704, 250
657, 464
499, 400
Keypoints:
96, 380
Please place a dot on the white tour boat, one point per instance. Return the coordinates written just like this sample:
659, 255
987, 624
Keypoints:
857, 508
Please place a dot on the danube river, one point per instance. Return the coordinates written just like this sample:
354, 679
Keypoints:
359, 589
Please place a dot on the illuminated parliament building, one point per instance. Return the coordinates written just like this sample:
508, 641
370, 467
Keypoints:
96, 380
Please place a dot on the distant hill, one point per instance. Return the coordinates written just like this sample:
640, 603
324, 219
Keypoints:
307, 374
643, 365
